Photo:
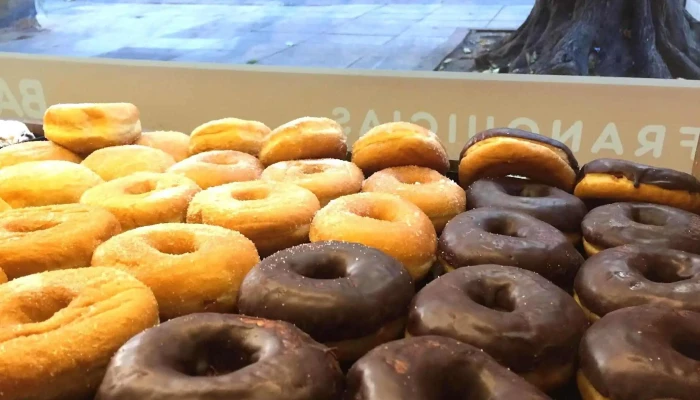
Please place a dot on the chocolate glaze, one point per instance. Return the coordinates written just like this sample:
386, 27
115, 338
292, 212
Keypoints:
646, 224
554, 206
516, 316
363, 289
220, 357
434, 367
507, 237
644, 353
640, 173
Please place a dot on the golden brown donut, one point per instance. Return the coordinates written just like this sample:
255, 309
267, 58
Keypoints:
177, 144
35, 151
229, 134
42, 183
273, 215
144, 198
397, 144
440, 198
84, 128
3, 277
218, 167
189, 267
383, 221
304, 138
59, 330
119, 161
327, 178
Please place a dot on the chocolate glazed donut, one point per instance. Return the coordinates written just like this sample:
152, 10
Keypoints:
220, 357
434, 367
349, 296
516, 316
641, 353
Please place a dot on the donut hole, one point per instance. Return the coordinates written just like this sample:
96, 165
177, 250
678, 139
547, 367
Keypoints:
310, 169
497, 300
251, 194
27, 226
659, 273
688, 347
141, 187
220, 159
501, 227
176, 243
373, 212
648, 216
533, 191
323, 269
41, 306
414, 178
218, 356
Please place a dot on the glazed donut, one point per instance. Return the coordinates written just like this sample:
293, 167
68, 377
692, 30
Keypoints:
35, 151
304, 138
398, 144
645, 352
176, 144
219, 356
229, 134
516, 316
554, 206
274, 216
495, 153
84, 128
440, 198
346, 295
59, 330
327, 178
507, 237
383, 221
218, 167
434, 367
43, 183
119, 161
645, 224
144, 198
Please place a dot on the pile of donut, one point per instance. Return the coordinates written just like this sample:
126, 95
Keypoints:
240, 262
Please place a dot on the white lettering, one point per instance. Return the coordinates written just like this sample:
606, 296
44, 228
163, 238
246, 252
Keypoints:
397, 116
691, 143
573, 133
452, 129
424, 116
33, 101
342, 116
371, 120
609, 139
526, 122
8, 101
656, 145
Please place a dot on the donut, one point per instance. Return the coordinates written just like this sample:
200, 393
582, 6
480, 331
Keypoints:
144, 198
398, 144
42, 183
4, 206
644, 352
304, 138
274, 216
119, 161
645, 224
327, 178
3, 277
383, 221
495, 153
229, 134
35, 151
516, 316
84, 128
218, 167
346, 295
556, 207
608, 180
189, 267
434, 367
219, 356
59, 330
507, 237
176, 144
419, 185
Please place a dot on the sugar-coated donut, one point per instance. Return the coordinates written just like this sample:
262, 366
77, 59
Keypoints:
84, 128
144, 198
35, 151
229, 134
59, 330
500, 152
177, 144
304, 138
118, 161
327, 178
273, 215
383, 221
440, 198
42, 183
218, 167
397, 144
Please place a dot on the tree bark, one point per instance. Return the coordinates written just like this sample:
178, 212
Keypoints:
636, 38
19, 14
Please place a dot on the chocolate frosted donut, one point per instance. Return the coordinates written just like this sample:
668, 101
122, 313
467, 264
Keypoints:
434, 367
516, 316
635, 275
218, 356
648, 225
554, 206
347, 295
506, 237
642, 353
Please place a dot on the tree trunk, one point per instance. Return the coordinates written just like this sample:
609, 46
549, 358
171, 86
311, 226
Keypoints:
636, 38
19, 14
